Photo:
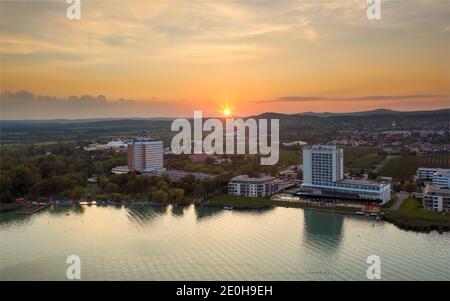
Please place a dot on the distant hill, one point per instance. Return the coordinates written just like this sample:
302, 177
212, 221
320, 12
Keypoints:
263, 115
310, 127
376, 112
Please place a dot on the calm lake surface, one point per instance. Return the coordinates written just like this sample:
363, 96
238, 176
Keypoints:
188, 243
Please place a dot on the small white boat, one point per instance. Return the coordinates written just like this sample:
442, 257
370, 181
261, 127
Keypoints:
228, 207
359, 212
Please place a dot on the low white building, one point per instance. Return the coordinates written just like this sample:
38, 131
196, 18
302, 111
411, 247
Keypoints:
436, 199
120, 170
363, 190
176, 174
114, 144
298, 143
117, 144
243, 185
441, 179
426, 173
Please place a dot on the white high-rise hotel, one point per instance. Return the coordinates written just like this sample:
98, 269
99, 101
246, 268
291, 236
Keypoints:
322, 164
323, 176
145, 155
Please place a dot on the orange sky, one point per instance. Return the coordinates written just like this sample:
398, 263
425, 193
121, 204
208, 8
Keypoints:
171, 57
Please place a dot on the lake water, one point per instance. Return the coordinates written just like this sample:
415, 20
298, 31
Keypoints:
189, 243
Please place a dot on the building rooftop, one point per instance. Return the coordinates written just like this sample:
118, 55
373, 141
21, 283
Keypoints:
432, 169
116, 143
442, 172
435, 189
363, 182
322, 147
136, 140
246, 178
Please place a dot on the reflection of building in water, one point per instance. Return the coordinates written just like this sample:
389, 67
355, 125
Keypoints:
178, 210
323, 229
204, 213
145, 214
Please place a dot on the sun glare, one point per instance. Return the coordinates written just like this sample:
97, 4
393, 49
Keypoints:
227, 112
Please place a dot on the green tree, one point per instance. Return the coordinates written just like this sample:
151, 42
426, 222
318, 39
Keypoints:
5, 191
199, 189
98, 167
160, 196
177, 194
111, 188
79, 192
409, 187
23, 177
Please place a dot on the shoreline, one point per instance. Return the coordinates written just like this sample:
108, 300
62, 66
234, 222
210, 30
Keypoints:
9, 207
398, 219
417, 224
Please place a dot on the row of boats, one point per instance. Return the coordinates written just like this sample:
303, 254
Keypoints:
72, 202
362, 213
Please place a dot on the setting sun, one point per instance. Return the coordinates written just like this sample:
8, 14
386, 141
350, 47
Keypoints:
226, 112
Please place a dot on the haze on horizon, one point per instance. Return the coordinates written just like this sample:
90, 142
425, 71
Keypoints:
169, 58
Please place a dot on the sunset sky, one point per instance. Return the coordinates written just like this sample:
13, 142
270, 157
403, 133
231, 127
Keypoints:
167, 58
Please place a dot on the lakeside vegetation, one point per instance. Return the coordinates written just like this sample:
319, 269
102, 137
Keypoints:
412, 207
412, 216
61, 171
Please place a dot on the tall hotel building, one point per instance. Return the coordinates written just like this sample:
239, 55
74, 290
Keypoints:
323, 164
323, 176
145, 155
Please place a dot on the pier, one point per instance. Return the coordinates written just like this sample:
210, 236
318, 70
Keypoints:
33, 209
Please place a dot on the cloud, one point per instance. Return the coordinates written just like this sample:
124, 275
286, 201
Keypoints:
26, 105
359, 98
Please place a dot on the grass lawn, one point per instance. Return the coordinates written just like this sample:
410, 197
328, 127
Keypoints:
239, 202
366, 161
412, 208
362, 157
352, 153
290, 157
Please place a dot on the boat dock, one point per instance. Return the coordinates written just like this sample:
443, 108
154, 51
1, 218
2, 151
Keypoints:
33, 209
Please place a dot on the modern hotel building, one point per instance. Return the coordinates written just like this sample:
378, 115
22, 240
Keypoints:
145, 155
323, 176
